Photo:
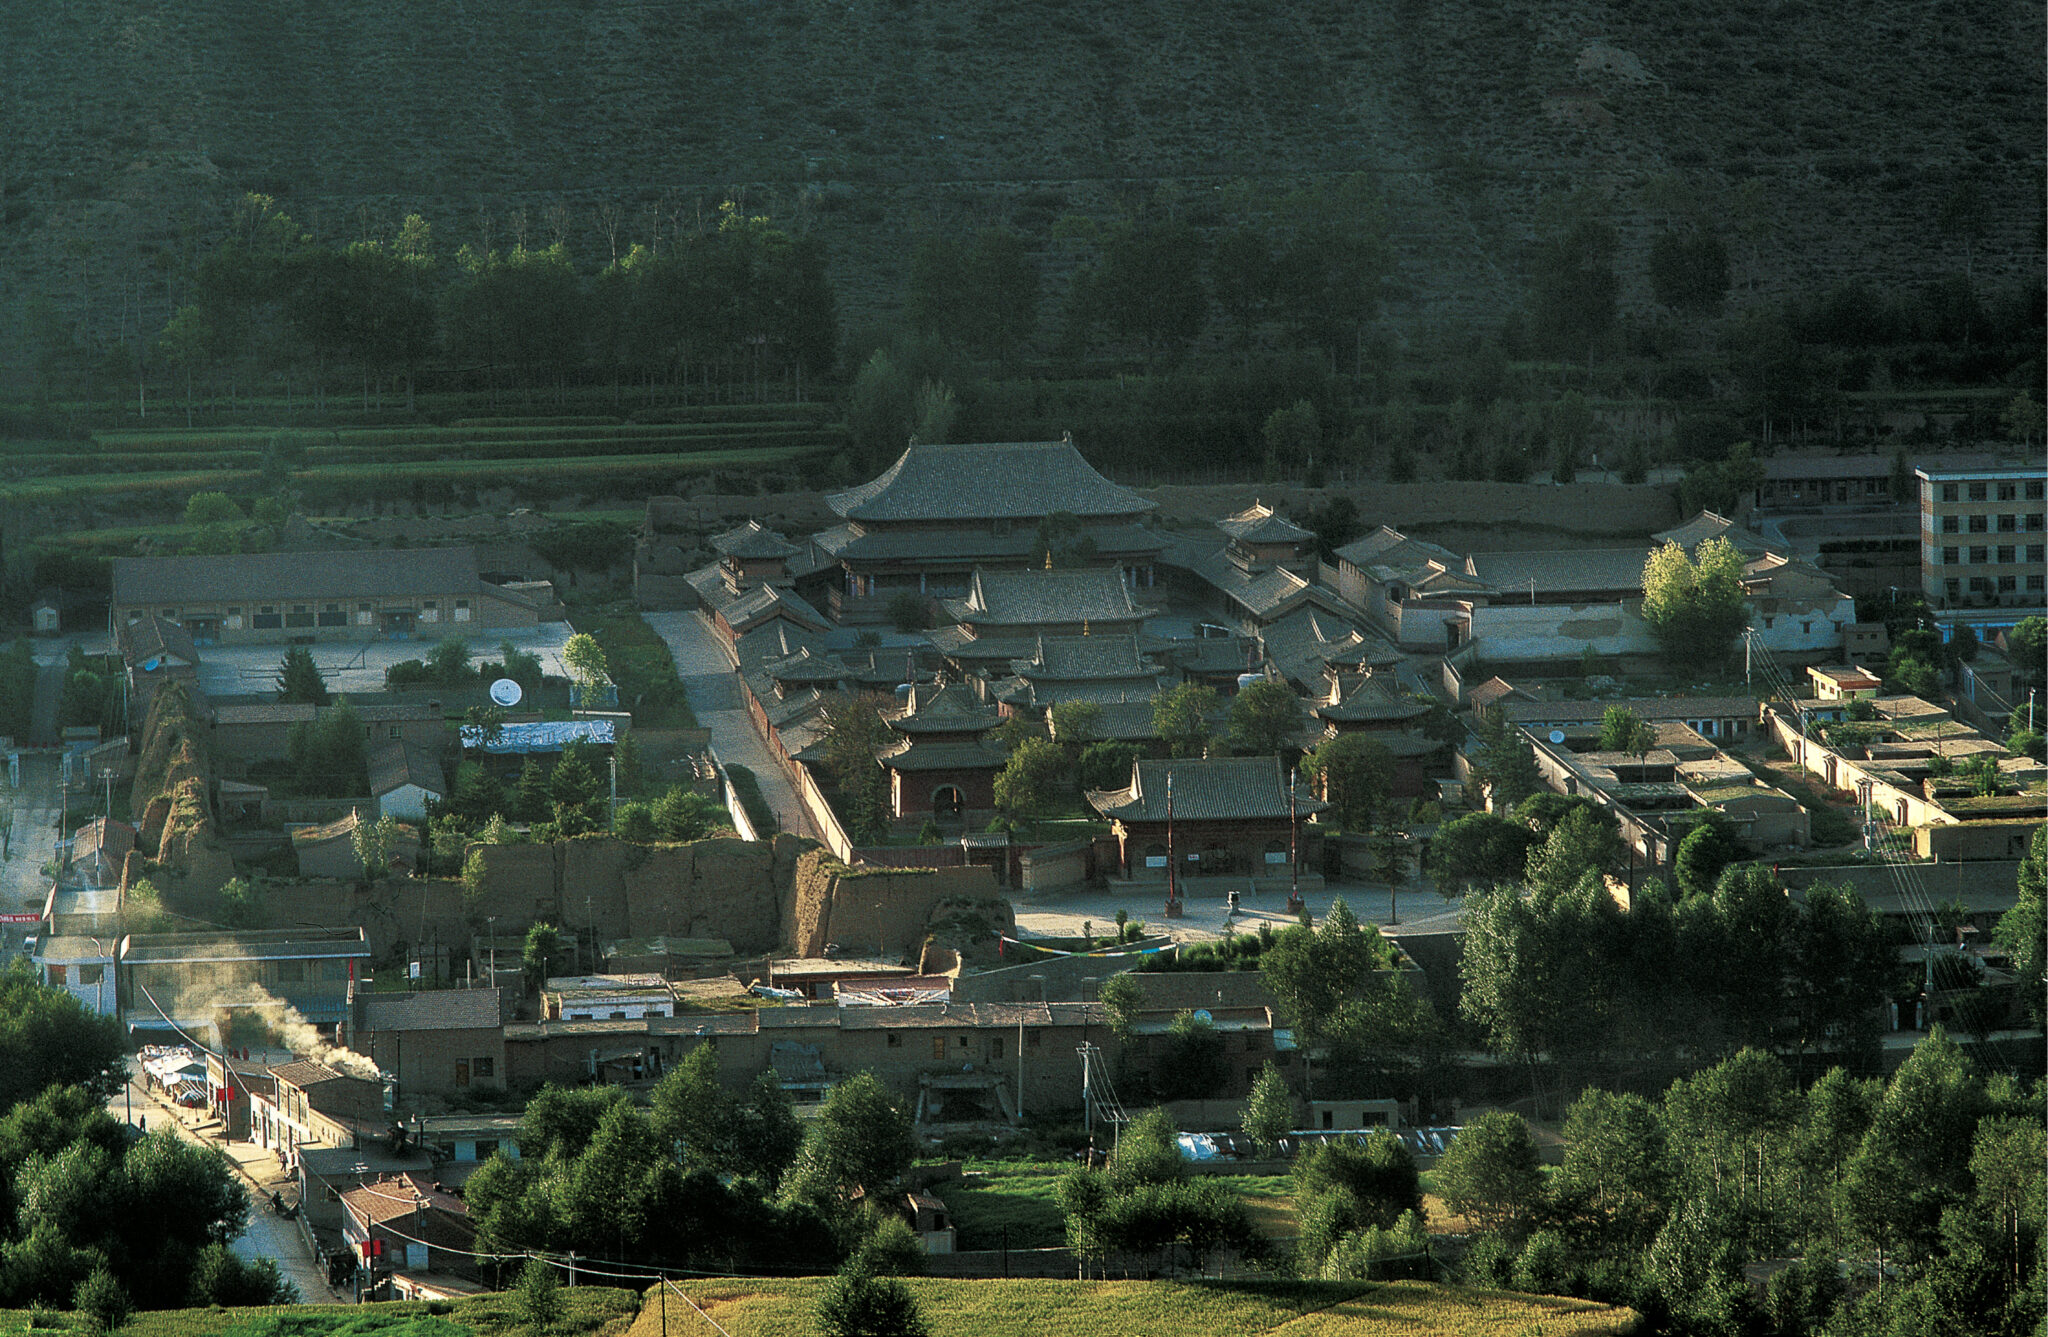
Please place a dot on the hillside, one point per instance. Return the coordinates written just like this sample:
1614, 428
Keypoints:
128, 126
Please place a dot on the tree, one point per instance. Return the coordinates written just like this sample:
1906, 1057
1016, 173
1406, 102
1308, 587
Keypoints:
1266, 718
1625, 730
544, 954
1912, 1164
1506, 765
1193, 1067
103, 1300
1292, 436
1033, 780
1269, 1111
539, 1295
1339, 986
1354, 773
1617, 1168
327, 752
374, 843
1586, 840
1480, 846
212, 508
1575, 285
1490, 1174
860, 1139
756, 1134
2023, 930
1121, 1000
908, 610
2023, 418
853, 732
857, 1303
1695, 608
1075, 724
586, 662
1689, 270
1704, 852
47, 1038
298, 678
1180, 716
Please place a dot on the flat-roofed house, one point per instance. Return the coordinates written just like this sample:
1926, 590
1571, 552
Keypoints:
435, 1042
274, 597
193, 978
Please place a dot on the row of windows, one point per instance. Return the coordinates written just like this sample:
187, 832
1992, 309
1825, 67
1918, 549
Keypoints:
2004, 555
1981, 524
2004, 584
2008, 490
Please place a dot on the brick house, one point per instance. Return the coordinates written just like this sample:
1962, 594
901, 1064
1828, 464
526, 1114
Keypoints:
1217, 816
436, 1042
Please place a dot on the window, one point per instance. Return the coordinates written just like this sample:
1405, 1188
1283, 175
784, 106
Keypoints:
2034, 489
2036, 552
485, 1067
1953, 586
1951, 523
1980, 524
2006, 584
395, 731
995, 1047
291, 972
939, 1047
2037, 582
430, 605
90, 974
234, 612
1979, 585
963, 1042
331, 615
2008, 491
486, 1147
618, 1016
895, 1040
2036, 520
300, 616
1031, 1039
1980, 555
2005, 554
1949, 493
1979, 491
267, 618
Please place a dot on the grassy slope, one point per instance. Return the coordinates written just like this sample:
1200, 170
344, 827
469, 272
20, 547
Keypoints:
1165, 1309
869, 122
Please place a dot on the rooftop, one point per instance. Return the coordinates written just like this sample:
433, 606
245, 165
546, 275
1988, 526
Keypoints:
1260, 523
248, 945
1030, 598
753, 539
431, 1010
1208, 789
1012, 480
399, 572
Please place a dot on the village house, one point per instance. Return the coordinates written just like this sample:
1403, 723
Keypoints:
434, 1042
410, 1225
192, 979
279, 597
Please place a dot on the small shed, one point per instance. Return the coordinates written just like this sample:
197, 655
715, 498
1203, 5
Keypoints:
46, 614
405, 778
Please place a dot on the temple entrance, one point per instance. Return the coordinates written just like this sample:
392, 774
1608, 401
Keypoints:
948, 803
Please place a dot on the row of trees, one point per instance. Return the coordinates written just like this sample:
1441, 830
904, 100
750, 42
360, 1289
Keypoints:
1928, 1188
738, 303
705, 1177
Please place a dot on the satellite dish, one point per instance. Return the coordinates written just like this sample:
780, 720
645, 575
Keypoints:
149, 665
506, 692
1202, 1014
1557, 735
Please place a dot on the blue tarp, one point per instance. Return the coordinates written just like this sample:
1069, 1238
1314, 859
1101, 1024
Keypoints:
541, 737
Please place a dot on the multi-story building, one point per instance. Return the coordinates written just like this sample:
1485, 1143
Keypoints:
1982, 531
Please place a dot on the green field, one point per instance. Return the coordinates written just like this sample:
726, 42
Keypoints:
1023, 1197
1158, 1309
587, 1312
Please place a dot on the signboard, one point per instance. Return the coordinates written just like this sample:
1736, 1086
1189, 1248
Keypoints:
21, 919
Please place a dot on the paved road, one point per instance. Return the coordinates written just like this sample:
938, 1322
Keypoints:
268, 1235
33, 843
714, 686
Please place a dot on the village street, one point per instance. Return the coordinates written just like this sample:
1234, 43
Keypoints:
715, 695
268, 1235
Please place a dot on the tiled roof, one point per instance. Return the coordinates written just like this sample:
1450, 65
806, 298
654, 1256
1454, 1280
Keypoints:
753, 539
955, 643
1078, 657
432, 1010
763, 602
400, 1196
999, 481
1032, 598
1211, 789
1123, 721
400, 572
950, 709
1564, 571
1492, 690
1392, 549
1260, 523
918, 754
304, 1072
1307, 640
966, 547
153, 637
1370, 699
1707, 525
396, 763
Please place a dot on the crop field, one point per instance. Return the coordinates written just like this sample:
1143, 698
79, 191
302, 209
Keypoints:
1157, 1309
593, 453
589, 1311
